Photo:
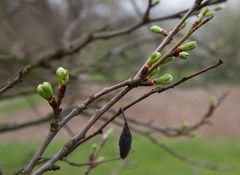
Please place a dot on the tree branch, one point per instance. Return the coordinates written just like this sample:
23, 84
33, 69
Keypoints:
14, 81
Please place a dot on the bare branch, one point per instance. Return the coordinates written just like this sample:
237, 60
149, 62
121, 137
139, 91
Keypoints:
6, 127
96, 163
156, 90
128, 85
14, 81
185, 159
182, 131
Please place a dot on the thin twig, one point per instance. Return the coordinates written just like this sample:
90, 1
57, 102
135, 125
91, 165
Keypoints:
183, 158
96, 163
183, 131
14, 81
78, 138
156, 90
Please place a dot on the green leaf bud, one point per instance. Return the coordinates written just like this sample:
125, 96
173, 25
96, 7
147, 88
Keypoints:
213, 101
193, 134
183, 55
94, 146
45, 90
185, 125
164, 79
210, 13
99, 159
153, 73
153, 58
168, 60
62, 76
158, 30
184, 24
155, 2
203, 12
188, 46
107, 133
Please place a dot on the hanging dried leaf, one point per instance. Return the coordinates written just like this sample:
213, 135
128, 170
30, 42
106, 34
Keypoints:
125, 141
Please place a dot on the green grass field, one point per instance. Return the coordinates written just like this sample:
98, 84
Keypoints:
146, 158
19, 103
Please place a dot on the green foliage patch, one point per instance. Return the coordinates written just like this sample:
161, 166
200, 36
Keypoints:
145, 158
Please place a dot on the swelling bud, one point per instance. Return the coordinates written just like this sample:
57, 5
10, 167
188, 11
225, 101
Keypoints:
203, 12
107, 133
155, 2
185, 125
183, 55
168, 60
62, 76
158, 30
153, 73
99, 159
45, 90
210, 13
164, 79
184, 24
94, 146
188, 46
213, 101
153, 58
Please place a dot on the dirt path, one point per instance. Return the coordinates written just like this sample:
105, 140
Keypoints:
168, 109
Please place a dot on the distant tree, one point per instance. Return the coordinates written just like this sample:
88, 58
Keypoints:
61, 44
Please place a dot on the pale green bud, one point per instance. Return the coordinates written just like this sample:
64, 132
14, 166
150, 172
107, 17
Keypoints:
188, 46
203, 12
185, 125
158, 30
153, 58
210, 13
45, 90
164, 79
153, 73
213, 101
193, 134
206, 120
94, 146
183, 55
155, 2
107, 133
184, 24
62, 76
99, 159
168, 60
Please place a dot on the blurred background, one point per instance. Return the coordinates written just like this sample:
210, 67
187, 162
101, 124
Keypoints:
32, 30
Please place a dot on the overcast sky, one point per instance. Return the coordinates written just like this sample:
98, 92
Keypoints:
166, 6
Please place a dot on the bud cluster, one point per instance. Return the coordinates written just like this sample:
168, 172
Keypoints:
62, 76
205, 12
181, 51
45, 89
153, 58
213, 101
184, 24
183, 55
188, 46
155, 2
158, 30
168, 60
164, 79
